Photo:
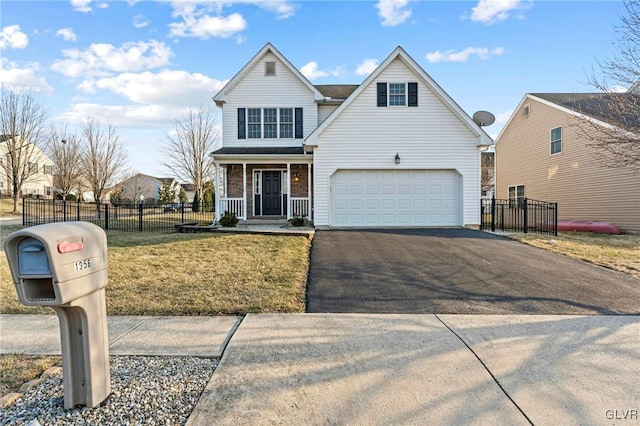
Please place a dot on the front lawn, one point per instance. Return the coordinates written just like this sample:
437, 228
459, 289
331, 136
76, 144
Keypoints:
618, 252
166, 273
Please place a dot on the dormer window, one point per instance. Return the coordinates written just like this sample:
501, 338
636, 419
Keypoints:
269, 68
397, 94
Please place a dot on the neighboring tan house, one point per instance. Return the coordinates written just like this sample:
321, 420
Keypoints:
395, 150
141, 187
39, 170
540, 155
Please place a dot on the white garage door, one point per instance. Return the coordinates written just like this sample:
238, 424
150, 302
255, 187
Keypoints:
396, 198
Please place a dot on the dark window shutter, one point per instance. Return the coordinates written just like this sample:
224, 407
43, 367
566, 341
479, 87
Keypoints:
413, 94
298, 121
382, 94
242, 128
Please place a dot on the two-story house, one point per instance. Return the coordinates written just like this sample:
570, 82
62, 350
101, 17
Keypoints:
395, 150
543, 153
35, 167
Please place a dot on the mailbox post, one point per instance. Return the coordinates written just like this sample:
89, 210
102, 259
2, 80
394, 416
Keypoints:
64, 266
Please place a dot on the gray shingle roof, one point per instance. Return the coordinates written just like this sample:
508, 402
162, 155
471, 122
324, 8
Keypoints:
597, 105
336, 91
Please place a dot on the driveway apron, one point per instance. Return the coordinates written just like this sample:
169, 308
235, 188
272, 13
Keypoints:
457, 271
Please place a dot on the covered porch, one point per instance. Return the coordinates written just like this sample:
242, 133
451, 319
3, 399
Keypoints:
258, 185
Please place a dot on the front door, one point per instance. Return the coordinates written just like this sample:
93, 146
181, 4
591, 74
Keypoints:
271, 196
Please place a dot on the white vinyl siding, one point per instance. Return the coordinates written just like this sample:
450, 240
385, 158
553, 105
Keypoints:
428, 136
324, 111
255, 90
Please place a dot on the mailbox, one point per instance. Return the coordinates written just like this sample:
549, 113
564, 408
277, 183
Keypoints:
64, 266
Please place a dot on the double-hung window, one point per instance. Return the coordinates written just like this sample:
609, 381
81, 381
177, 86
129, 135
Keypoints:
271, 123
254, 123
556, 140
33, 168
397, 94
516, 196
286, 123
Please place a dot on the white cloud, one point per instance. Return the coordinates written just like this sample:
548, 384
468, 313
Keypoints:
12, 37
67, 34
503, 117
367, 66
127, 116
618, 89
393, 12
27, 77
139, 21
167, 87
492, 11
204, 26
282, 8
101, 58
81, 5
463, 55
312, 72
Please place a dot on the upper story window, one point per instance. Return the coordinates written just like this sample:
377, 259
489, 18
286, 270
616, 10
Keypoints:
254, 123
270, 123
397, 94
269, 68
33, 168
47, 169
556, 140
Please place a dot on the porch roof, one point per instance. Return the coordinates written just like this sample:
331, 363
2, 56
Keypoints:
262, 154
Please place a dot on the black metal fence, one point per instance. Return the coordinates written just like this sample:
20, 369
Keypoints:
524, 215
122, 217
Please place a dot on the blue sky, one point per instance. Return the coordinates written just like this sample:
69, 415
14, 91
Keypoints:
140, 64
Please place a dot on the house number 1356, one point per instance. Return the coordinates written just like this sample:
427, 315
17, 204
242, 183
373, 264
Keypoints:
82, 265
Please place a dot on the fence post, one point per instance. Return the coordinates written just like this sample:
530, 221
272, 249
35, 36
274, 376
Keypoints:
493, 214
24, 211
78, 209
181, 212
106, 217
526, 215
140, 217
555, 219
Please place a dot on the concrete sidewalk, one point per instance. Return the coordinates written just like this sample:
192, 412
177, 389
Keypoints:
387, 369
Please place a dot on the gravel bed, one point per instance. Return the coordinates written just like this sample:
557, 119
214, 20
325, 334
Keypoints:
144, 390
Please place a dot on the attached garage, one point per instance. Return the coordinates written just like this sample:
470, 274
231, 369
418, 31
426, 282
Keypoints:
375, 198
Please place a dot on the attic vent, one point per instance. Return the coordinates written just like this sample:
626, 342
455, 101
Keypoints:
527, 110
269, 68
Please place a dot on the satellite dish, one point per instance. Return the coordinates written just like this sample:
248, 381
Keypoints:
484, 118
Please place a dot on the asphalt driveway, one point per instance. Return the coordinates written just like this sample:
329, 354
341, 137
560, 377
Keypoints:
457, 271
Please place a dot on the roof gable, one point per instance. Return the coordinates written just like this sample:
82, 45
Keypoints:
399, 52
219, 98
586, 105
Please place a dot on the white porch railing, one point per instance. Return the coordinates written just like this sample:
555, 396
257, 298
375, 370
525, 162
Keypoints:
299, 207
232, 205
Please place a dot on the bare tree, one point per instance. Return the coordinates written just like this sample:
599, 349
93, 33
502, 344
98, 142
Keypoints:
188, 149
103, 158
64, 148
22, 126
486, 171
615, 132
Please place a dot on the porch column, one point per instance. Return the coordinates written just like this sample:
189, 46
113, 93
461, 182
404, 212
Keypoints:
244, 190
288, 190
309, 191
217, 192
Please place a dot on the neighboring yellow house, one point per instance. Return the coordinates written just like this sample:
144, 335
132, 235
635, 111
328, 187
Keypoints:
540, 155
39, 170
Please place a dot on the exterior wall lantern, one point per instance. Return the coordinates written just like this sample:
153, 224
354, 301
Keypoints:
296, 177
397, 159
